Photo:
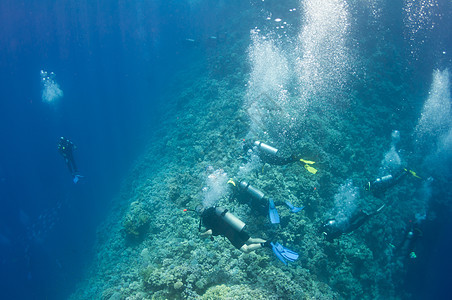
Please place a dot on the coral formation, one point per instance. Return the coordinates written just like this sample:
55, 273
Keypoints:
208, 121
136, 221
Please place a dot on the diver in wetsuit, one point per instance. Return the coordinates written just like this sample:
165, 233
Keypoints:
259, 202
333, 229
66, 149
380, 185
269, 154
219, 221
408, 244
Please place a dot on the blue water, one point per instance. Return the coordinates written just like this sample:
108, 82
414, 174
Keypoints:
430, 277
113, 60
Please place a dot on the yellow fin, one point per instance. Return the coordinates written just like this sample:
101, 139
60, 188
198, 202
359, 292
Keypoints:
310, 162
310, 169
414, 174
231, 182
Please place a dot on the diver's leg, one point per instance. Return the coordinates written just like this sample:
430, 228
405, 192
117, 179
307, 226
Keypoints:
249, 248
74, 166
255, 241
69, 166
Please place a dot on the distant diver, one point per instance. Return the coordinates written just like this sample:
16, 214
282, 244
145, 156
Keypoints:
406, 249
219, 221
270, 155
259, 202
66, 149
332, 228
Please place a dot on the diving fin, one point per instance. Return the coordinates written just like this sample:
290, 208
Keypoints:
278, 253
309, 162
310, 169
272, 212
293, 208
413, 173
284, 254
76, 178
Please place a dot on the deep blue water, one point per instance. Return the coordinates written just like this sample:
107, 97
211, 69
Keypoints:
112, 60
429, 277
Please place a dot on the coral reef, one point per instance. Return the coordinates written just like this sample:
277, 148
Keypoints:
136, 221
205, 124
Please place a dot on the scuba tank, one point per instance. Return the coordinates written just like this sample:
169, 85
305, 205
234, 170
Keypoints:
380, 185
267, 149
252, 191
270, 155
229, 218
258, 202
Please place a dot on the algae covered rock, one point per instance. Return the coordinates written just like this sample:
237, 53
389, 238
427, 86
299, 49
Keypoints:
243, 292
136, 221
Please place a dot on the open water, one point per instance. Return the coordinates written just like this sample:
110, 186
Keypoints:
158, 97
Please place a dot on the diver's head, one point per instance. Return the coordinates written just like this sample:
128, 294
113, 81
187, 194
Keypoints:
331, 229
330, 223
247, 145
367, 186
410, 234
395, 136
199, 209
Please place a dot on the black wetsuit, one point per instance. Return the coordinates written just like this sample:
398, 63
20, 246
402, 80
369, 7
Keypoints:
333, 229
409, 242
380, 185
66, 148
220, 227
276, 160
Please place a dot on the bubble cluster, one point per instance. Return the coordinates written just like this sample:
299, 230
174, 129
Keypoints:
51, 90
291, 73
392, 161
435, 121
323, 56
345, 202
216, 186
418, 21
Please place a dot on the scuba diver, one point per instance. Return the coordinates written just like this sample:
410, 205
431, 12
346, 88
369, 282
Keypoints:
259, 202
380, 185
333, 228
66, 148
219, 221
270, 155
408, 244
